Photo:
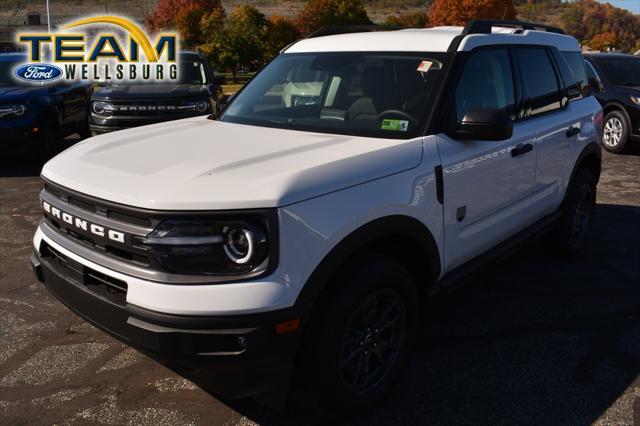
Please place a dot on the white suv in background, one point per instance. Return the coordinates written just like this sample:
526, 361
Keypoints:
288, 242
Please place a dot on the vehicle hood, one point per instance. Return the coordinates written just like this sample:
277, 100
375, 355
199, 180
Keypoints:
201, 164
150, 91
20, 93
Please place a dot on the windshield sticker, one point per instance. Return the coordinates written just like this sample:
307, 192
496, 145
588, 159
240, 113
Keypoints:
397, 125
424, 66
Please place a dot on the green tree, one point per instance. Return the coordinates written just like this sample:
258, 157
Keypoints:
280, 32
237, 42
323, 13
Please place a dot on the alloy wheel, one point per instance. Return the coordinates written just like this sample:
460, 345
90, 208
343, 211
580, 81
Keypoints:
372, 341
613, 132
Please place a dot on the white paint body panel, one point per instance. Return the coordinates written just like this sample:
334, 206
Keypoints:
435, 39
200, 164
326, 186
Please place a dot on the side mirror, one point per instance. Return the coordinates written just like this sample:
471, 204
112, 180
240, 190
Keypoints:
595, 84
487, 124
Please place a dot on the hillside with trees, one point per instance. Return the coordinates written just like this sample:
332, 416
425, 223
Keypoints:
238, 34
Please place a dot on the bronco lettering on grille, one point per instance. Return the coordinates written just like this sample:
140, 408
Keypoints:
79, 223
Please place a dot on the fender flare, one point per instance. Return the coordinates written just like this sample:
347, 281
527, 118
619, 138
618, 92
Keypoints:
359, 239
592, 148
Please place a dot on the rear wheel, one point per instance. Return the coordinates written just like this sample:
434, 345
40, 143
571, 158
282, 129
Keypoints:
616, 132
356, 346
572, 230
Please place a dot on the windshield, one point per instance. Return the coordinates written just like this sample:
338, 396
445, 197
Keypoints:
192, 72
621, 71
384, 95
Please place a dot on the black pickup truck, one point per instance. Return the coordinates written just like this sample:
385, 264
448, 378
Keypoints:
120, 106
34, 117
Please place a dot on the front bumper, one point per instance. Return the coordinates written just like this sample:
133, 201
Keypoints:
231, 356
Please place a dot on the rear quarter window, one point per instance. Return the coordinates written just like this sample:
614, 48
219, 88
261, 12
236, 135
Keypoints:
576, 63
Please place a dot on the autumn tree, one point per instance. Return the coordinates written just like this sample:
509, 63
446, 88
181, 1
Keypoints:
185, 16
597, 25
280, 32
458, 12
603, 41
322, 13
410, 20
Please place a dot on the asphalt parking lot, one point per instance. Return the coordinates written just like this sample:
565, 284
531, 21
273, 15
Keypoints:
529, 340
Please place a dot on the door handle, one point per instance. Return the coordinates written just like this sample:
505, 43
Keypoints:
521, 149
572, 131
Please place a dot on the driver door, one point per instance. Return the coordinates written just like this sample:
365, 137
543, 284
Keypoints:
486, 183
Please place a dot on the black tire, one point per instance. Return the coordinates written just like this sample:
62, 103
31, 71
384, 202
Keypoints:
615, 132
347, 334
48, 143
572, 230
85, 132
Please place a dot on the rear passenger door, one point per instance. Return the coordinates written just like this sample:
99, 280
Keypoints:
487, 184
558, 121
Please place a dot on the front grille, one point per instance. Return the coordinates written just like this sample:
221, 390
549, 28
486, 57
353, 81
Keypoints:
118, 218
152, 108
103, 209
96, 282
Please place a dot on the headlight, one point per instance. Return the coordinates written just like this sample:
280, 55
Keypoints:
232, 247
102, 108
17, 110
199, 106
635, 99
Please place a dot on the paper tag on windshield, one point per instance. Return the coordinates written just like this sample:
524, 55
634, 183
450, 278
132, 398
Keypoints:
424, 66
397, 125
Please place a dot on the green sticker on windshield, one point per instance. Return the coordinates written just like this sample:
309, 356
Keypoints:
397, 125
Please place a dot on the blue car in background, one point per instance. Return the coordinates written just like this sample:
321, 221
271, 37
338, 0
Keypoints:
35, 116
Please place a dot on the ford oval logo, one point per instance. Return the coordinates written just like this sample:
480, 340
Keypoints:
38, 72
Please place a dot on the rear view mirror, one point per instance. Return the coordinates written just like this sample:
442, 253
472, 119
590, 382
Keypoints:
488, 124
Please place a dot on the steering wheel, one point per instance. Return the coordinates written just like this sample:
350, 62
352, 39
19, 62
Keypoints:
399, 112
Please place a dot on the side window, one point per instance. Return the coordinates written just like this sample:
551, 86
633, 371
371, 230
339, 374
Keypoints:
572, 84
540, 81
591, 73
576, 62
486, 82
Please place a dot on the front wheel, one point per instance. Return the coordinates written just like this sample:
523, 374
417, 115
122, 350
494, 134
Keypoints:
571, 232
355, 348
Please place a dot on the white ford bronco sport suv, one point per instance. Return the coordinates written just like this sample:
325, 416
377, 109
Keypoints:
284, 247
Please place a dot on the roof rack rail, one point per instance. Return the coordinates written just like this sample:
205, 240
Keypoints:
484, 26
348, 29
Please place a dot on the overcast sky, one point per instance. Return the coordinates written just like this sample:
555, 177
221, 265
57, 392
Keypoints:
632, 5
